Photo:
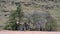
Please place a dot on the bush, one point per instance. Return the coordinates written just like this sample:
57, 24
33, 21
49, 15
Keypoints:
12, 23
51, 25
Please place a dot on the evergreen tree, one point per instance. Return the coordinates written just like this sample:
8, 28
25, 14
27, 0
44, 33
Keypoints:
12, 23
19, 13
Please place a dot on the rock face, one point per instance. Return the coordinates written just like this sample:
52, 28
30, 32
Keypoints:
29, 7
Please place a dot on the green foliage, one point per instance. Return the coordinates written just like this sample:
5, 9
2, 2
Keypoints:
11, 24
16, 14
51, 25
19, 11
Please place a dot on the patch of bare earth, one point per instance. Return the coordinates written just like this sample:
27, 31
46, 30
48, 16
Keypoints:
27, 32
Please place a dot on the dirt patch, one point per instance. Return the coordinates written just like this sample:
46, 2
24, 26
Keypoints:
26, 32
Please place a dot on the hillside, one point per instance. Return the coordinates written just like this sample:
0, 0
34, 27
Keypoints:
52, 6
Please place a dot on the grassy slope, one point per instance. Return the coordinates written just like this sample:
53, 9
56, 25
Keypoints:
54, 12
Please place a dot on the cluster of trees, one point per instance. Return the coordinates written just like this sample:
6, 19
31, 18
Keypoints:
15, 16
36, 21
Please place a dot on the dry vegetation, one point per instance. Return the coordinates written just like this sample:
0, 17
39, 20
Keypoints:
29, 6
